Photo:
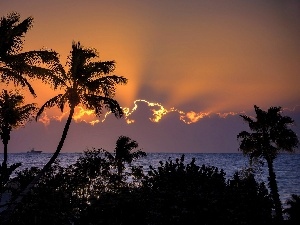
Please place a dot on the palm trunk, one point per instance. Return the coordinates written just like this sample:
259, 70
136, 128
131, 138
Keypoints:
5, 143
5, 136
274, 191
3, 172
8, 212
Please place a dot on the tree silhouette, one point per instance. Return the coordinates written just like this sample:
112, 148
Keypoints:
13, 114
124, 153
86, 83
294, 208
15, 65
270, 135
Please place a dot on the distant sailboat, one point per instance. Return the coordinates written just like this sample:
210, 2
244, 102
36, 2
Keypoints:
34, 151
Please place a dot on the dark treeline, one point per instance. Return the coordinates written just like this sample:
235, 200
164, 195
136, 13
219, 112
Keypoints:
100, 188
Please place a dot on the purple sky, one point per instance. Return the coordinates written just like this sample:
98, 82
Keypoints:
210, 134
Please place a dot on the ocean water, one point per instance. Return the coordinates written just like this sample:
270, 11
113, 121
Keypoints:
287, 166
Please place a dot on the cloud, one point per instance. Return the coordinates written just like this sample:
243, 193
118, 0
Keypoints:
212, 132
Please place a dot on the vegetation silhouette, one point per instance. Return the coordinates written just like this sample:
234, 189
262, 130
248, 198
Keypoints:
86, 83
173, 193
293, 211
13, 114
15, 65
125, 152
270, 135
64, 194
189, 194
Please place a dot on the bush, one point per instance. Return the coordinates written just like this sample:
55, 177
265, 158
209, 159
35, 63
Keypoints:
293, 211
174, 193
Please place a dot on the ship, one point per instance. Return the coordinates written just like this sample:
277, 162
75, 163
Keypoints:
34, 151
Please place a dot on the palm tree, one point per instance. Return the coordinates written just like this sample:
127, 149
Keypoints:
13, 114
16, 65
270, 135
124, 153
86, 83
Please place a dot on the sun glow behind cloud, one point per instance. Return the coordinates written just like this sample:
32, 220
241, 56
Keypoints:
158, 111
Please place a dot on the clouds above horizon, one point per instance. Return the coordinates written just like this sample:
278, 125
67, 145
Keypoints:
212, 133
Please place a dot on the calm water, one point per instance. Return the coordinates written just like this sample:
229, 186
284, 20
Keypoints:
287, 166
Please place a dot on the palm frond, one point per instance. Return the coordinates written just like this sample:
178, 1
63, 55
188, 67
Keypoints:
124, 146
12, 33
97, 68
50, 103
97, 103
106, 85
13, 113
43, 65
78, 58
11, 75
46, 76
26, 114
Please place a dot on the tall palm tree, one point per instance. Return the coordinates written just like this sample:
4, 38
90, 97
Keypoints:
86, 83
270, 134
13, 114
15, 65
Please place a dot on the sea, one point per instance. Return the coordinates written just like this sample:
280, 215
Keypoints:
286, 166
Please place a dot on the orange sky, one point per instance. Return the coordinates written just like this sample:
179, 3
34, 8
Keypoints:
197, 56
201, 55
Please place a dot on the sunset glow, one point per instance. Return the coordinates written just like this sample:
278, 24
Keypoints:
157, 109
189, 64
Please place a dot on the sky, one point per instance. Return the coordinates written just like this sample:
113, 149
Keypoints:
192, 66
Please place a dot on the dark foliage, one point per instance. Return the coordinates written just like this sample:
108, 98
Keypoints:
5, 172
173, 193
189, 194
49, 202
248, 200
293, 211
127, 206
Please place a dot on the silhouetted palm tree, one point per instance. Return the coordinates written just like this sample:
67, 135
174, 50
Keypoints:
270, 135
16, 65
86, 83
125, 152
13, 114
